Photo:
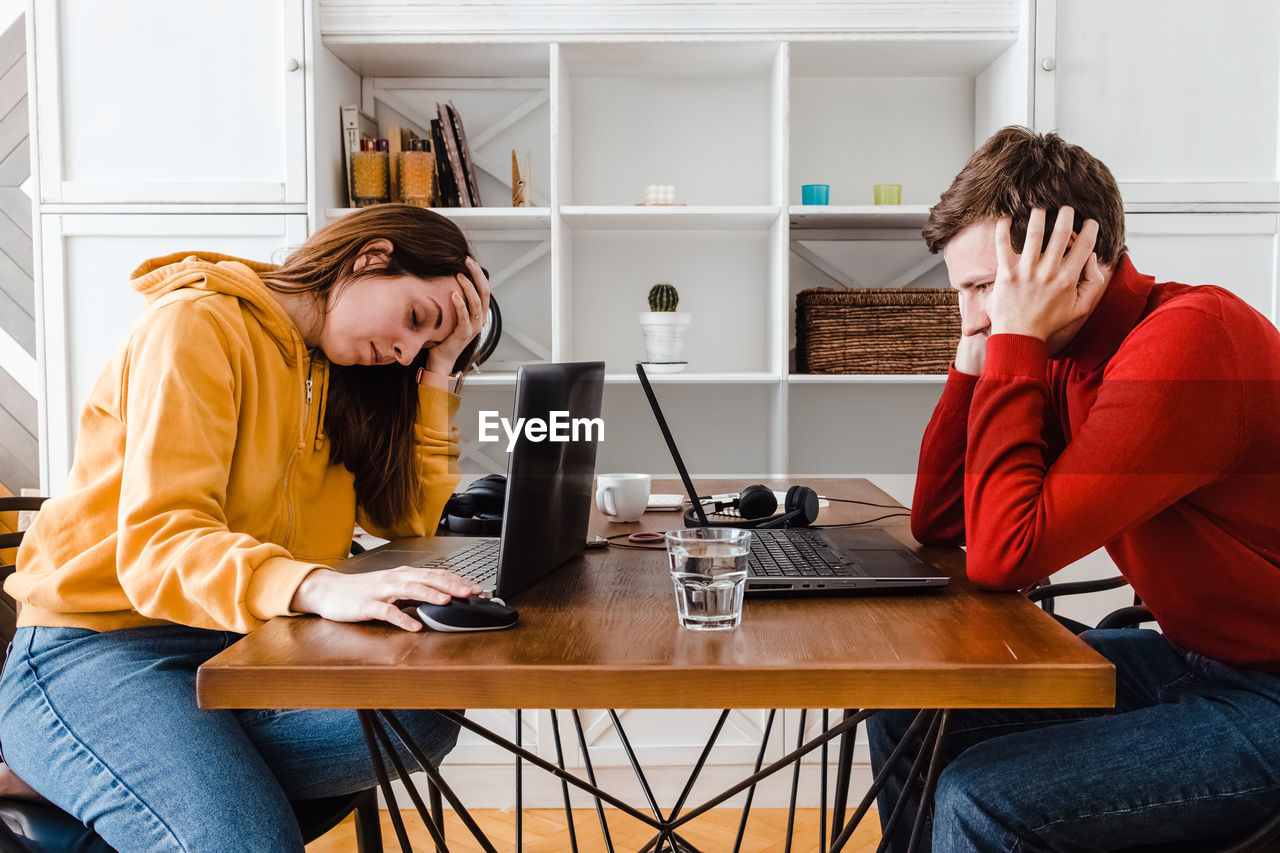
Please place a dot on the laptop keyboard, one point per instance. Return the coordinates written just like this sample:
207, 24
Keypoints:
793, 553
774, 553
477, 562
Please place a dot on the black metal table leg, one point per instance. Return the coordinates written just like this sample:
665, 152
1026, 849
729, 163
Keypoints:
931, 781
900, 806
433, 774
702, 760
795, 785
751, 792
403, 775
437, 811
384, 782
822, 788
846, 832
683, 845
771, 769
688, 788
591, 777
668, 835
844, 768
543, 764
635, 764
564, 786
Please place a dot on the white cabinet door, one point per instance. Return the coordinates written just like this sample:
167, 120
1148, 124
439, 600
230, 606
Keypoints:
88, 304
153, 101
1237, 251
1165, 90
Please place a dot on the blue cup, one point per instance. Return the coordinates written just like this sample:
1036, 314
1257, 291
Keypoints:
815, 194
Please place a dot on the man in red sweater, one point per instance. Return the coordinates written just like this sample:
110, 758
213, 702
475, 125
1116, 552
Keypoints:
1090, 406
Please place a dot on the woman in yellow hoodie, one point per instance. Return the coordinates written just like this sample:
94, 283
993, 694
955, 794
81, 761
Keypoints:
251, 416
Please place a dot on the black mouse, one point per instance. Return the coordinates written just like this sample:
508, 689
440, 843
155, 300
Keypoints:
468, 614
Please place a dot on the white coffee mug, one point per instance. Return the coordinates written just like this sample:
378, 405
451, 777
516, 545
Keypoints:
622, 497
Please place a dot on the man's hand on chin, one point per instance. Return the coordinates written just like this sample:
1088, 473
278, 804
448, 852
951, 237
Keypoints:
971, 353
1038, 294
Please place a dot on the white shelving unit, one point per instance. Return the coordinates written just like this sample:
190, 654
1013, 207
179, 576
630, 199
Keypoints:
736, 123
904, 220
486, 219
688, 218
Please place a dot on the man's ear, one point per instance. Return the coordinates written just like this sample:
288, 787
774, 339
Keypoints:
376, 252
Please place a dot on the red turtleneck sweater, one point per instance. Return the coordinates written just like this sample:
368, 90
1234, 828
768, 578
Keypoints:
1154, 433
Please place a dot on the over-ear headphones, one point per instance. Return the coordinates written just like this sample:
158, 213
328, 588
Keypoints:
753, 502
478, 510
756, 504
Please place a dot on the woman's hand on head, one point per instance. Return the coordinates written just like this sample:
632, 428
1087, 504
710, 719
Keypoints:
373, 595
470, 305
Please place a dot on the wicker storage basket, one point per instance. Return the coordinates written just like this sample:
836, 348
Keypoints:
870, 330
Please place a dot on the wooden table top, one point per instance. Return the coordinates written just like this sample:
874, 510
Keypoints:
601, 632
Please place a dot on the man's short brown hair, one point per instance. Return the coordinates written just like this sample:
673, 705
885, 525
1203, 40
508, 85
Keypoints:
1017, 170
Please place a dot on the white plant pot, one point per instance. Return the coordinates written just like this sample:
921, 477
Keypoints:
664, 335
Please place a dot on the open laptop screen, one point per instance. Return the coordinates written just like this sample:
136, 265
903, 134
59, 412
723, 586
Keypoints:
548, 504
671, 445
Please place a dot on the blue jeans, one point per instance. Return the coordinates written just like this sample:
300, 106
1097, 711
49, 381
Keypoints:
1190, 754
105, 725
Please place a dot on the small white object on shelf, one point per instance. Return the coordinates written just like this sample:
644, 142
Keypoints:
660, 194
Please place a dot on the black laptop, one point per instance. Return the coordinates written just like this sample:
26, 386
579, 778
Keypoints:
810, 560
549, 486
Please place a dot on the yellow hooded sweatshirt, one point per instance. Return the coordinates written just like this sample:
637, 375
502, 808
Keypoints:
201, 492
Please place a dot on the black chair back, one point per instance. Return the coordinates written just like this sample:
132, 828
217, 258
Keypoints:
11, 538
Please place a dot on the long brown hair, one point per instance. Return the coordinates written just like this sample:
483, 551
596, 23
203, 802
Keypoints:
371, 411
1018, 169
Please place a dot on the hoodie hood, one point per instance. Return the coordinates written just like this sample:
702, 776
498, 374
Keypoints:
225, 274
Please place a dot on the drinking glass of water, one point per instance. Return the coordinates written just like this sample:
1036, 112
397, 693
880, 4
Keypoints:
709, 571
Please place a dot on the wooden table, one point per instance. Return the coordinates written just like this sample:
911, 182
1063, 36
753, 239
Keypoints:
601, 632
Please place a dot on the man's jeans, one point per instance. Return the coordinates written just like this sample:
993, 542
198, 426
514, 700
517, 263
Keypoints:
1190, 753
106, 726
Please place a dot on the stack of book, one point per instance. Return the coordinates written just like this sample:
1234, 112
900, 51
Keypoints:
455, 184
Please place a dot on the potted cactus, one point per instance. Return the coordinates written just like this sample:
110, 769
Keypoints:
664, 327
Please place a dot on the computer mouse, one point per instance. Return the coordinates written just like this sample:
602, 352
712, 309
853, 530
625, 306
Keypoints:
468, 614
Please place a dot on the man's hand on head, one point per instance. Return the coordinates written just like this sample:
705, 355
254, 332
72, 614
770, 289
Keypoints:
1039, 293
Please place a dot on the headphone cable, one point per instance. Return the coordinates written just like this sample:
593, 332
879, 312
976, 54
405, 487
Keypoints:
865, 503
857, 523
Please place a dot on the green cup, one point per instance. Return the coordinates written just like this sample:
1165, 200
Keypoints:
888, 193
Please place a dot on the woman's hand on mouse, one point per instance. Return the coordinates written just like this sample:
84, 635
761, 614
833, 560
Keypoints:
470, 306
373, 595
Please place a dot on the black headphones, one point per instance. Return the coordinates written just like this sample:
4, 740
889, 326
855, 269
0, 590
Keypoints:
478, 510
756, 504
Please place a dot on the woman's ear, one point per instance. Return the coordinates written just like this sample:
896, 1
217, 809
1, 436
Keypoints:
376, 252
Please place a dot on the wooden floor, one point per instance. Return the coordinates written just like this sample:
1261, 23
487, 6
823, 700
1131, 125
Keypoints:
545, 832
